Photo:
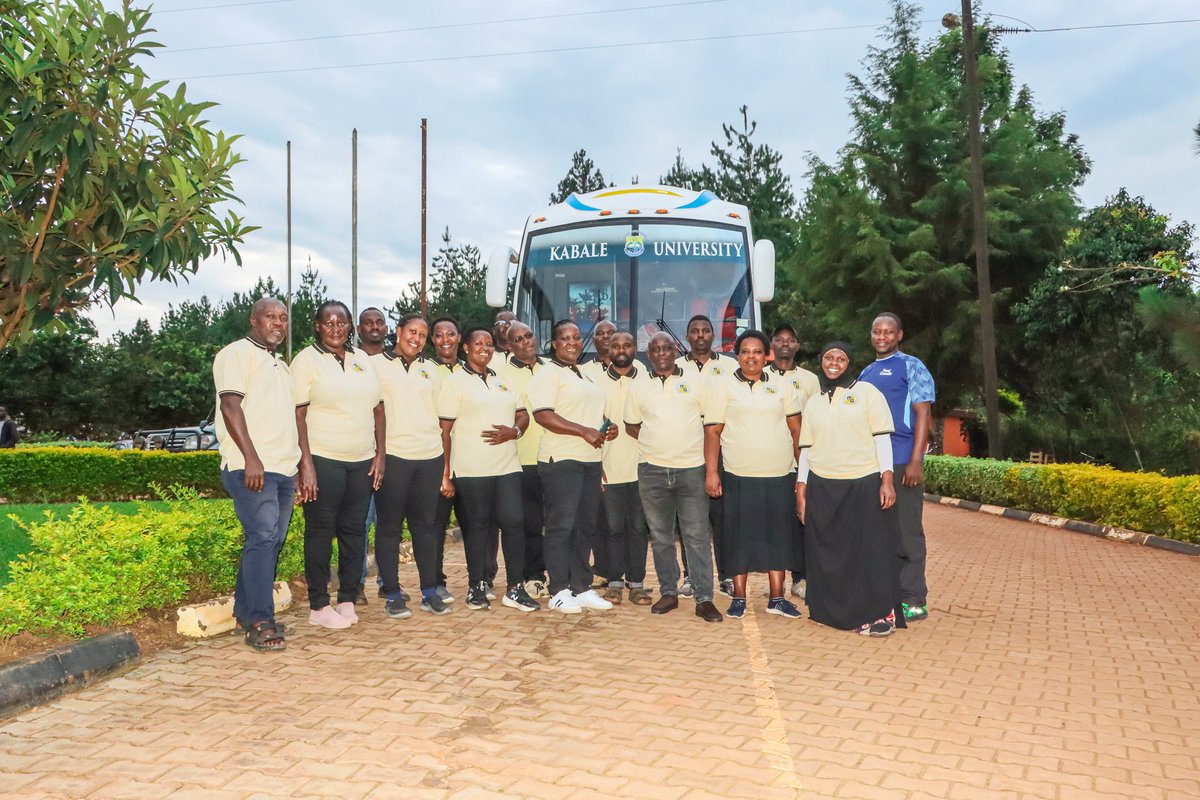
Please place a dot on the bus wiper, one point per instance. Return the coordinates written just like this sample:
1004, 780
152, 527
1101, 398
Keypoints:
661, 322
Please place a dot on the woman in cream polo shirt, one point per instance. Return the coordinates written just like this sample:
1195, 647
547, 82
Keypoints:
844, 494
751, 424
415, 463
570, 407
339, 417
482, 416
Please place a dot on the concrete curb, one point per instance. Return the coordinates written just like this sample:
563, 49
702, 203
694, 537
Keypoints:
37, 679
1078, 526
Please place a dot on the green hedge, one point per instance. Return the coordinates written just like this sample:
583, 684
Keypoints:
97, 565
1140, 501
61, 474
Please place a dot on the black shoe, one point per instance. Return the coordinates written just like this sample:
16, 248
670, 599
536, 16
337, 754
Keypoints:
360, 599
477, 596
397, 609
708, 612
726, 587
519, 599
434, 605
665, 604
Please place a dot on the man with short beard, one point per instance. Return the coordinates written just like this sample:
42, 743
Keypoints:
260, 455
627, 535
372, 335
518, 368
602, 560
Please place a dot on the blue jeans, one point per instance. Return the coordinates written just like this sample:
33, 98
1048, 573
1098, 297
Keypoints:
668, 494
265, 517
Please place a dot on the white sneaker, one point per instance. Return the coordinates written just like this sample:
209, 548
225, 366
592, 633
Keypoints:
328, 618
565, 603
800, 588
593, 601
347, 610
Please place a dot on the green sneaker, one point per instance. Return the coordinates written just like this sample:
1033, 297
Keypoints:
912, 613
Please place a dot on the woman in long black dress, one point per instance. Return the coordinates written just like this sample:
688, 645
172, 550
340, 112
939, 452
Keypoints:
844, 495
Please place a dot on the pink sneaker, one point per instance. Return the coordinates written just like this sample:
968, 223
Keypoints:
347, 611
328, 618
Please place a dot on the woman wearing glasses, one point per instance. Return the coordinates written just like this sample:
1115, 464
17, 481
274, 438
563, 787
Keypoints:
340, 419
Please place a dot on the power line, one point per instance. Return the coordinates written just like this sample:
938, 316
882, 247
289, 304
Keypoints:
1032, 29
222, 5
434, 27
576, 49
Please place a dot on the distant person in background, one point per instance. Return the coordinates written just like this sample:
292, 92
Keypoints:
340, 421
260, 451
522, 364
751, 424
844, 495
8, 431
784, 345
908, 388
372, 331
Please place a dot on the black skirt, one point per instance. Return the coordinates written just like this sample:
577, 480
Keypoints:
759, 522
852, 552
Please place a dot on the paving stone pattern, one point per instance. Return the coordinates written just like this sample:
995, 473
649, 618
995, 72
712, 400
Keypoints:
1054, 665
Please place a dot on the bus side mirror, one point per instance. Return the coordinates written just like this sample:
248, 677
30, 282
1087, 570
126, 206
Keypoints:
762, 270
496, 290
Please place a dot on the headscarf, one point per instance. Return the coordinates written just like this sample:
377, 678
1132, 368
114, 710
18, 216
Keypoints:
845, 380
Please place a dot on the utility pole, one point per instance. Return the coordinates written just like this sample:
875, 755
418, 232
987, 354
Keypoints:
983, 278
289, 250
424, 196
354, 227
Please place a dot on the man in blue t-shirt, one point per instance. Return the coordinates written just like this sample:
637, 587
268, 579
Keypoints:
908, 387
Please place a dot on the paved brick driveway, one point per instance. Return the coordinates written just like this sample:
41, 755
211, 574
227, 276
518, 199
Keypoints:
1055, 665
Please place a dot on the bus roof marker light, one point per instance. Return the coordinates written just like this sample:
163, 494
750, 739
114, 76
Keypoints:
734, 215
605, 213
634, 211
661, 211
540, 219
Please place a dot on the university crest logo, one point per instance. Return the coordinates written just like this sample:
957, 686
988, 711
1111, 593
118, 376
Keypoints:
850, 399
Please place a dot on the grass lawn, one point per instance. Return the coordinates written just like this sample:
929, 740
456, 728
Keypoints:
14, 541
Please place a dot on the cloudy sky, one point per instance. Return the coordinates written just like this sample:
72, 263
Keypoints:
512, 87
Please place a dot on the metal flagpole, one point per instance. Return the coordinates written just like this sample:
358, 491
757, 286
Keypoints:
289, 250
354, 225
424, 195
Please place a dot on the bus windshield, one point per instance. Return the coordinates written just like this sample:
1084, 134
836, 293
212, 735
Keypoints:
644, 277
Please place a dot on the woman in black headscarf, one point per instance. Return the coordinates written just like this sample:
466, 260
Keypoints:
844, 496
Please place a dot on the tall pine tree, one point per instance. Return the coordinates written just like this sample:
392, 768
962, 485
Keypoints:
582, 177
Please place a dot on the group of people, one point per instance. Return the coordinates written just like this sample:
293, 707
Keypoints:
574, 469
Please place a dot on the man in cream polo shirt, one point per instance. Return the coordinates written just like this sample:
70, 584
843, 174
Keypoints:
625, 528
260, 451
665, 413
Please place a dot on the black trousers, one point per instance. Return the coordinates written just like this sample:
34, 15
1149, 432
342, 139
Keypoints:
410, 490
532, 500
493, 503
444, 504
572, 492
340, 511
628, 536
601, 559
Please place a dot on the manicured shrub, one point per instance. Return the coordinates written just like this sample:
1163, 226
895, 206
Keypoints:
61, 474
1145, 502
99, 566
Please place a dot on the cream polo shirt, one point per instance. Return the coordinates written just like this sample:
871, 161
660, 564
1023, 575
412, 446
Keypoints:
718, 366
497, 360
756, 441
840, 431
475, 403
621, 455
671, 412
519, 375
594, 369
566, 391
341, 397
409, 402
264, 382
804, 382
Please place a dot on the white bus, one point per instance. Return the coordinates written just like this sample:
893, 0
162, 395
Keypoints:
648, 258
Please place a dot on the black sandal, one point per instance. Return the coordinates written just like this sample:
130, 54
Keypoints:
265, 636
